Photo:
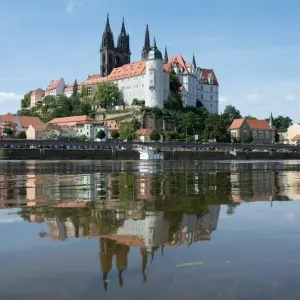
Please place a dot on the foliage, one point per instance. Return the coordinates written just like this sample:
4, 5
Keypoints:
75, 89
25, 102
106, 95
174, 82
247, 138
138, 102
84, 92
169, 135
8, 131
127, 132
216, 128
52, 132
101, 134
136, 124
282, 122
115, 134
230, 113
155, 136
250, 117
22, 135
24, 112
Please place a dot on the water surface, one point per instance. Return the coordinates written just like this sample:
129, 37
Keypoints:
149, 230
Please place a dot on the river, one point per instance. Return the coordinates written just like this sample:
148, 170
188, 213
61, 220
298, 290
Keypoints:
149, 230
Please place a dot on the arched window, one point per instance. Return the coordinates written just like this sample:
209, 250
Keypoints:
103, 59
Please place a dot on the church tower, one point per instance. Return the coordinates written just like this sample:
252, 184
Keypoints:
110, 56
147, 46
123, 49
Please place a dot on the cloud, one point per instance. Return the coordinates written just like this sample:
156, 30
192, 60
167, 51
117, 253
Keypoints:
223, 99
290, 97
10, 220
71, 5
254, 97
4, 97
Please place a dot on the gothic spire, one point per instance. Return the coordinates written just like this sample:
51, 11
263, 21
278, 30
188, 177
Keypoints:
107, 37
271, 121
194, 61
107, 26
154, 43
123, 30
146, 47
166, 55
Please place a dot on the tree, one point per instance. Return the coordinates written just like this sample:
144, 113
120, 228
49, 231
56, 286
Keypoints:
106, 95
135, 101
155, 136
84, 92
24, 112
230, 113
282, 122
25, 102
52, 132
247, 138
216, 128
136, 124
22, 135
75, 89
127, 132
101, 134
174, 82
250, 117
8, 131
115, 134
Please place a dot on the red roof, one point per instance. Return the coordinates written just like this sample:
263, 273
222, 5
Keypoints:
69, 87
71, 119
296, 137
39, 127
178, 61
24, 120
53, 84
144, 132
206, 74
253, 124
37, 90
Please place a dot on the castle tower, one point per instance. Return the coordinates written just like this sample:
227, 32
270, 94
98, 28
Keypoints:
146, 47
154, 82
123, 49
107, 50
166, 56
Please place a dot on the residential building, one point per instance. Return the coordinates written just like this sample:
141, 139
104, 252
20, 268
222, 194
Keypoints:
35, 131
82, 125
292, 134
17, 123
36, 96
112, 125
260, 131
144, 135
55, 88
68, 91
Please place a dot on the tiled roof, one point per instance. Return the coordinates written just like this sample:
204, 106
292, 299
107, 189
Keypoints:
178, 61
69, 87
53, 84
71, 119
296, 137
112, 125
144, 132
37, 90
253, 124
129, 70
24, 120
39, 127
206, 73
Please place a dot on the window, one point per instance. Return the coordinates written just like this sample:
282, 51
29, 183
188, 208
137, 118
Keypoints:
151, 81
211, 88
211, 97
201, 87
89, 90
201, 96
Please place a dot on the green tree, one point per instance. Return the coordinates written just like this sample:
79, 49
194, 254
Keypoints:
52, 132
174, 82
155, 136
216, 128
22, 135
127, 132
25, 112
106, 95
101, 134
136, 124
282, 122
25, 102
115, 134
135, 101
230, 113
8, 131
250, 117
84, 92
247, 138
75, 89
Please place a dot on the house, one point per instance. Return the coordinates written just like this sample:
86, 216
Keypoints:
259, 130
82, 125
144, 135
69, 89
35, 131
17, 123
36, 96
295, 140
55, 88
292, 132
112, 125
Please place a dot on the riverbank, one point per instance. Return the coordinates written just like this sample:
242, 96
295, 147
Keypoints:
64, 154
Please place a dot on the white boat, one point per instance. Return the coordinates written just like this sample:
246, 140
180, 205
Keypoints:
147, 153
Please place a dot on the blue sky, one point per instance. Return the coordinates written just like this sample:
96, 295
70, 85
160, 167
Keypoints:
253, 45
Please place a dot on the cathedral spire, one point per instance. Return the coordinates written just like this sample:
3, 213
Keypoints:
107, 26
154, 43
271, 121
123, 30
107, 37
194, 61
146, 47
166, 55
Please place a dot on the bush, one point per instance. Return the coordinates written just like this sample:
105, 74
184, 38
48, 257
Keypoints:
101, 134
115, 134
155, 136
22, 135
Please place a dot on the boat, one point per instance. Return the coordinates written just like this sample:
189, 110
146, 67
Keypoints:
148, 153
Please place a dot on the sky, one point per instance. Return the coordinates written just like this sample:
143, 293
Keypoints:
252, 45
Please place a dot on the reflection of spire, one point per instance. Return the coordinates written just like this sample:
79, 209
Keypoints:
121, 281
106, 256
162, 250
145, 260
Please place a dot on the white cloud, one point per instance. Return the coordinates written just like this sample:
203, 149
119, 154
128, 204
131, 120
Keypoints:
223, 99
254, 97
4, 97
290, 97
71, 5
12, 220
9, 102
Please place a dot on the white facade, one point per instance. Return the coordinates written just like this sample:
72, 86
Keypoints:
55, 88
68, 91
293, 131
90, 129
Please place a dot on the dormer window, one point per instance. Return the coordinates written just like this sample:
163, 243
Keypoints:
211, 79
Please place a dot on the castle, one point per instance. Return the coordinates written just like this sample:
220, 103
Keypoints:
149, 78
